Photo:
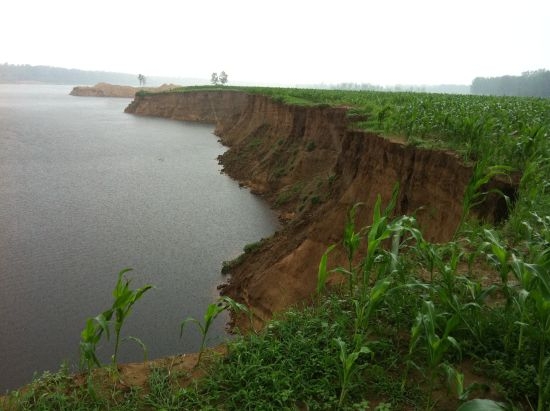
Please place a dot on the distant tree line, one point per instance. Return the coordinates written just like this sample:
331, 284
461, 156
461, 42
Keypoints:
356, 86
530, 83
440, 88
24, 73
11, 73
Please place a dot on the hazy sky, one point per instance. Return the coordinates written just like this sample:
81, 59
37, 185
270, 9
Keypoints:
283, 42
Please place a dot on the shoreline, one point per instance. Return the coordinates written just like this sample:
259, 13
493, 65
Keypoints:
111, 90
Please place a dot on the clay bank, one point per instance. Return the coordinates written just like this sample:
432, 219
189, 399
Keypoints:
312, 166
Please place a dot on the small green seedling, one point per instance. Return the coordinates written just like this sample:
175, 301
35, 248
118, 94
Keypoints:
124, 299
349, 366
212, 311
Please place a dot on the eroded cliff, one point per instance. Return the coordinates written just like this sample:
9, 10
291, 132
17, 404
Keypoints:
312, 166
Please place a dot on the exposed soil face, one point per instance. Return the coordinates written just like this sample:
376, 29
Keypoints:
210, 107
311, 166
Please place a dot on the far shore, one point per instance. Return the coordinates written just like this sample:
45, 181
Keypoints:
112, 90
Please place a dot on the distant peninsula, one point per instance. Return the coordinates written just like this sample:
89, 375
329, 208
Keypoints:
111, 90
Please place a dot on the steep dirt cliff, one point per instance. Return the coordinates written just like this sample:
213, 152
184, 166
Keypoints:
311, 166
211, 107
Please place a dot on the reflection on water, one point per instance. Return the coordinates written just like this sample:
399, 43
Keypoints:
86, 190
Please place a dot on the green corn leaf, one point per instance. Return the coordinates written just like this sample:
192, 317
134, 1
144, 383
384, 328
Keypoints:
391, 206
342, 270
376, 212
140, 291
140, 343
379, 290
454, 342
212, 311
89, 331
482, 405
103, 321
322, 274
365, 350
351, 239
189, 320
233, 305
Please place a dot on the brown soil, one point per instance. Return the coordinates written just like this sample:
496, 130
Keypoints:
111, 90
183, 370
310, 165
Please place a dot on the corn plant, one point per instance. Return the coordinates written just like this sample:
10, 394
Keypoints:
384, 262
525, 274
90, 338
368, 298
532, 302
434, 345
477, 295
212, 312
365, 298
474, 194
528, 299
507, 262
540, 296
351, 242
124, 299
364, 309
457, 294
533, 198
349, 368
352, 239
536, 278
499, 257
377, 233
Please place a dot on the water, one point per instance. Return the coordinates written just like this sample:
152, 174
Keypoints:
87, 190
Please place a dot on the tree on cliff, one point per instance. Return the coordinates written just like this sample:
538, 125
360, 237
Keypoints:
214, 79
223, 78
142, 79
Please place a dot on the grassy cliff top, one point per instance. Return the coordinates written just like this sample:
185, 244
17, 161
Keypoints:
476, 126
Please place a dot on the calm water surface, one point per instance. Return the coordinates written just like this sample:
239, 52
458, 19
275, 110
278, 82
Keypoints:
87, 190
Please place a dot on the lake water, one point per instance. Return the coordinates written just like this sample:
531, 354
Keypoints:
87, 190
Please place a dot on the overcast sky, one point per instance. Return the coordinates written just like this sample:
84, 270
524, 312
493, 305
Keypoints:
283, 42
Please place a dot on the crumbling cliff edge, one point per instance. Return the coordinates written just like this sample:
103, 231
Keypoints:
312, 166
